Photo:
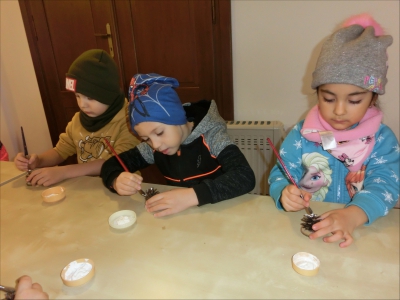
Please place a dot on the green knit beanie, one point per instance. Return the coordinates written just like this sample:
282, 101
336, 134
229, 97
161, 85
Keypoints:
94, 74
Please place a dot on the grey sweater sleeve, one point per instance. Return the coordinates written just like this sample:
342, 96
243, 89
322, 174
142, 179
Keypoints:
238, 178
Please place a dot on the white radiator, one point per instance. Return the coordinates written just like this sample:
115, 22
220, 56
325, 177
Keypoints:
251, 138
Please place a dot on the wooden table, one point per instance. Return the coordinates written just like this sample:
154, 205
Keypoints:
9, 172
236, 249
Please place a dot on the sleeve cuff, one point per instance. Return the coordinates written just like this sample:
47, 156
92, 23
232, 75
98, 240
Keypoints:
276, 193
369, 205
110, 181
203, 193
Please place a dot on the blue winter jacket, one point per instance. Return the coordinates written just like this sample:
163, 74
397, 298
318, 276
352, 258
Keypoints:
380, 190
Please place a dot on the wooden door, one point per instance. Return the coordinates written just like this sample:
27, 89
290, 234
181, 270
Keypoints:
189, 40
58, 32
170, 38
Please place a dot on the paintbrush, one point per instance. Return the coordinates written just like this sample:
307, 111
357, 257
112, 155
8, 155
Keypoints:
9, 292
26, 154
310, 218
150, 192
24, 142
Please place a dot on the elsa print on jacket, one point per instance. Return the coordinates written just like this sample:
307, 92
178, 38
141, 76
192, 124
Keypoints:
317, 175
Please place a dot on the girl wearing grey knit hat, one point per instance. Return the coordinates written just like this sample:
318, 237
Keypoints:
342, 152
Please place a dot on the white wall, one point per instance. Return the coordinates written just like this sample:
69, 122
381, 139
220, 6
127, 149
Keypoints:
20, 100
275, 47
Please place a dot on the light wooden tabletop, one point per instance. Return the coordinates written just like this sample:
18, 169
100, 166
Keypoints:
237, 249
9, 172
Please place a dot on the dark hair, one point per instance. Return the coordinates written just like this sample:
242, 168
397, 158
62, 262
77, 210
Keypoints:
375, 96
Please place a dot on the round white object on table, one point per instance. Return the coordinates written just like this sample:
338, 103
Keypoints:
53, 194
122, 219
305, 264
78, 272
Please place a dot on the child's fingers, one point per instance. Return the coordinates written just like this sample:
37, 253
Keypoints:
299, 203
339, 235
24, 282
305, 203
325, 222
320, 233
334, 237
292, 206
139, 179
21, 158
162, 208
128, 183
31, 159
21, 166
25, 289
154, 200
38, 182
125, 190
133, 177
157, 207
33, 178
21, 162
163, 213
306, 196
46, 181
37, 286
158, 203
348, 241
325, 215
291, 199
38, 177
321, 228
292, 189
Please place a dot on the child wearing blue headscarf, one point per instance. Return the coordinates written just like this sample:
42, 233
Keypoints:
188, 143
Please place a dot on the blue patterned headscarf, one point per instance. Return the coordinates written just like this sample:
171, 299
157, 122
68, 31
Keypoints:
152, 98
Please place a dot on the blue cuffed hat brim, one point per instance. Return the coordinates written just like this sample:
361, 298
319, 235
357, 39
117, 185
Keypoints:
154, 99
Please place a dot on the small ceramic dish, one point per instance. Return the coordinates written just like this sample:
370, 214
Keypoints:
78, 272
53, 194
305, 264
122, 219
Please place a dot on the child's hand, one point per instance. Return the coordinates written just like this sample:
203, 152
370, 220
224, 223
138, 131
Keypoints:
127, 184
291, 200
171, 202
24, 163
46, 176
341, 223
21, 162
28, 290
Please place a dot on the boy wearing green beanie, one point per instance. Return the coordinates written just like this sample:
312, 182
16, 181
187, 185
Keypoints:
94, 79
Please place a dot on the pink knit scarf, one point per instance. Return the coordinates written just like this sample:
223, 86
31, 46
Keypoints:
353, 145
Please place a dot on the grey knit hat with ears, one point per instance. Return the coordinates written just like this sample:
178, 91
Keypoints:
354, 55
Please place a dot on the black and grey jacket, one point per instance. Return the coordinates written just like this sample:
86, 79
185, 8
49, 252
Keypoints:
209, 162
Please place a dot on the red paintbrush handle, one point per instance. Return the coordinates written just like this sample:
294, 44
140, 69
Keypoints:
281, 161
116, 155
